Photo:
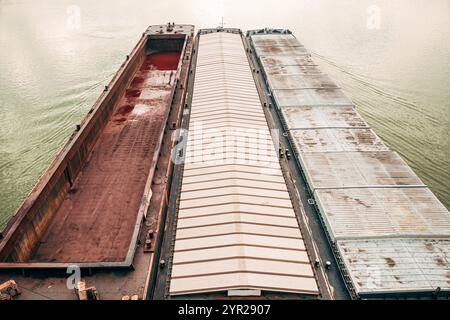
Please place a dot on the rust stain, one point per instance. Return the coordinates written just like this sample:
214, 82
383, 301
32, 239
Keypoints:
125, 109
163, 60
137, 81
441, 262
73, 190
359, 201
120, 120
132, 93
429, 246
390, 262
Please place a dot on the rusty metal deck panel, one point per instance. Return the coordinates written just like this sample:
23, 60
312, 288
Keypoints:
336, 140
334, 170
280, 51
322, 117
272, 36
293, 255
311, 97
276, 41
300, 81
383, 212
395, 266
277, 61
291, 70
235, 215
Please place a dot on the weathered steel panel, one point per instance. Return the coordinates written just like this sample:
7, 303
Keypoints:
292, 70
397, 265
382, 212
235, 215
237, 264
280, 51
271, 36
322, 117
233, 240
300, 81
279, 41
334, 170
277, 61
311, 97
336, 140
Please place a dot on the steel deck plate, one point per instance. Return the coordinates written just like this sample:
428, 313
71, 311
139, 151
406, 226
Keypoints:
334, 170
382, 212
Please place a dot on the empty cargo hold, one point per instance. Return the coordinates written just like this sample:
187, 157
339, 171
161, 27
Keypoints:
390, 231
87, 208
236, 227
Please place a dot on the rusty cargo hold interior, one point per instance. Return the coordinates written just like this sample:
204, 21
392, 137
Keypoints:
88, 207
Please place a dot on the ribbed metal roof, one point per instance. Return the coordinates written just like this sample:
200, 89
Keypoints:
317, 117
336, 140
288, 41
277, 61
335, 170
280, 51
282, 81
391, 232
358, 213
311, 97
292, 70
236, 227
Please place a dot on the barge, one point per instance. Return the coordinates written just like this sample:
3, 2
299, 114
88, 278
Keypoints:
274, 187
101, 203
235, 230
389, 233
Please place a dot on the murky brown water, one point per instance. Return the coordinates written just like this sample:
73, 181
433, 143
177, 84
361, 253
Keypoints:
51, 71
